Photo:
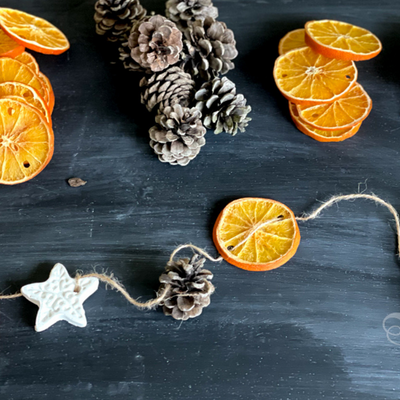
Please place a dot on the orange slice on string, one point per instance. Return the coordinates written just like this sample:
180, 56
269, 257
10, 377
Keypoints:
256, 234
306, 77
49, 87
9, 47
292, 40
341, 40
33, 32
12, 70
28, 59
27, 93
349, 110
26, 142
319, 134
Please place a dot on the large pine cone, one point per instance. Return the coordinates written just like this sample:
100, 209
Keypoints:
115, 17
155, 43
167, 88
210, 48
190, 290
222, 108
128, 62
178, 136
183, 11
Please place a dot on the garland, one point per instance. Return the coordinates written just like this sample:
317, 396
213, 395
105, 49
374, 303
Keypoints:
181, 57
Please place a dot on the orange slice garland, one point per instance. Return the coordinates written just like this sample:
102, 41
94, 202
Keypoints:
26, 142
306, 77
341, 40
33, 32
349, 110
256, 234
292, 40
9, 47
318, 134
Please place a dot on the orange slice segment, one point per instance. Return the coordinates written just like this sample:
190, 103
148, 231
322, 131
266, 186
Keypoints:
33, 32
51, 98
27, 93
26, 142
319, 134
9, 47
349, 110
292, 40
341, 40
28, 59
306, 77
12, 70
256, 234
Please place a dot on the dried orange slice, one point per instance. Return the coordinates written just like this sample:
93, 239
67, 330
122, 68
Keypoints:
27, 93
12, 70
349, 110
9, 47
256, 234
292, 40
28, 59
51, 98
319, 134
33, 32
341, 40
306, 77
26, 142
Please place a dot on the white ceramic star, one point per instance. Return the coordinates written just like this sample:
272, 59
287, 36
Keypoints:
59, 299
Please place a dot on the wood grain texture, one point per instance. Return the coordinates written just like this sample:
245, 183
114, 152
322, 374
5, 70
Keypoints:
311, 329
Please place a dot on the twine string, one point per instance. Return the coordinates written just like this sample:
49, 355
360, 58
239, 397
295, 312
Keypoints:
115, 284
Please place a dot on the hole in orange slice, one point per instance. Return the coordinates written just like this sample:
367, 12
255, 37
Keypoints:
306, 77
349, 110
318, 134
26, 142
256, 234
341, 40
33, 32
292, 40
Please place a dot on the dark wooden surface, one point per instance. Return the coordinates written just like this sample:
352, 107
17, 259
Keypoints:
311, 329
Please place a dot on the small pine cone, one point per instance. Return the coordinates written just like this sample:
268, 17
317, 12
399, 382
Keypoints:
114, 18
222, 108
212, 47
183, 11
167, 88
190, 288
155, 43
178, 136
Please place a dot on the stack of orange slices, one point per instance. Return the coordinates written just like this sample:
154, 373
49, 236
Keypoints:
317, 74
26, 95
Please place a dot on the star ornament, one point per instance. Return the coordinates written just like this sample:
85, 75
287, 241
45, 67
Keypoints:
60, 298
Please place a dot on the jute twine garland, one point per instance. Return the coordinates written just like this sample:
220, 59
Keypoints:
113, 282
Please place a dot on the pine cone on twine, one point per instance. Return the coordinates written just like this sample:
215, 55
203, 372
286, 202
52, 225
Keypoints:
222, 108
183, 11
115, 17
210, 48
167, 88
190, 290
178, 136
155, 43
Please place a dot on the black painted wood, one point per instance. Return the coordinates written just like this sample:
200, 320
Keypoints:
310, 330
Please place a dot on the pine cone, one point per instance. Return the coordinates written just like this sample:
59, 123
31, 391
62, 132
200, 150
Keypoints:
210, 48
190, 290
167, 88
128, 62
155, 43
183, 11
222, 108
178, 135
115, 17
